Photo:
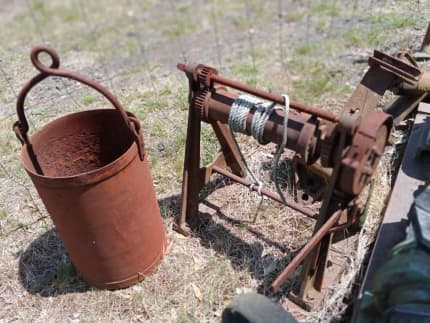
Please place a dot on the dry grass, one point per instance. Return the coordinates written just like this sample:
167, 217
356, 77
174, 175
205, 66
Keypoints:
309, 55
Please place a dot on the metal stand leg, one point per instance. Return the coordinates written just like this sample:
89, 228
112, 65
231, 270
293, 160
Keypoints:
229, 149
191, 183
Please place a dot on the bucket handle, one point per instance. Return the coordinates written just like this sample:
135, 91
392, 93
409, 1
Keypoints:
21, 127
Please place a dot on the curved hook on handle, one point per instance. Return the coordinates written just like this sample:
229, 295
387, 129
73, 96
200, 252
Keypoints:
34, 57
21, 126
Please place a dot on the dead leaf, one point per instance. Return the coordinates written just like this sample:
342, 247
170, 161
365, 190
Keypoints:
126, 296
180, 236
197, 292
226, 300
169, 247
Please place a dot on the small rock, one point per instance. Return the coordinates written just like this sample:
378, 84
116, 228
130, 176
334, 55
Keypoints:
161, 146
244, 290
422, 56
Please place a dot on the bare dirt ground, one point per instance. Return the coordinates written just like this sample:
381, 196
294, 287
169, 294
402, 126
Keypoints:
315, 51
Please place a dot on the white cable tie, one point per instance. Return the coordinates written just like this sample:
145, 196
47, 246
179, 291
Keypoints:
286, 105
259, 189
280, 150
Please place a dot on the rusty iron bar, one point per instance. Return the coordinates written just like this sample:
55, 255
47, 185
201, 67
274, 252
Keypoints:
411, 71
408, 77
306, 250
295, 206
426, 40
269, 96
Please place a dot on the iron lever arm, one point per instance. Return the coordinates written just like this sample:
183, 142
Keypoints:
306, 250
215, 78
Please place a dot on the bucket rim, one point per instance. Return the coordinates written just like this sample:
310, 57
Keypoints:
85, 178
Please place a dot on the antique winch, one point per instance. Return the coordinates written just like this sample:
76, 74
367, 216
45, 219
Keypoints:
334, 159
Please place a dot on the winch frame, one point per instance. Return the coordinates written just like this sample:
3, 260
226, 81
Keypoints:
346, 148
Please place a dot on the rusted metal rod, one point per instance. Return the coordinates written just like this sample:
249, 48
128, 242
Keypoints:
426, 40
295, 206
408, 77
306, 250
269, 96
276, 98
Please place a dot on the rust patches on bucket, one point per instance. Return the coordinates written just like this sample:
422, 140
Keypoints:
90, 170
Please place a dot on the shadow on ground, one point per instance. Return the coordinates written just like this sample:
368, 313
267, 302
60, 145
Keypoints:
45, 268
243, 255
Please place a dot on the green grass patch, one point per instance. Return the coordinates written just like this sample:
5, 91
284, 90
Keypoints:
333, 44
325, 8
257, 53
241, 22
354, 37
360, 37
303, 49
147, 102
88, 99
209, 145
180, 22
245, 69
180, 99
294, 16
312, 85
3, 214
322, 24
394, 20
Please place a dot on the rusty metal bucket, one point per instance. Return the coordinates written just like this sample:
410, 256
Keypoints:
91, 171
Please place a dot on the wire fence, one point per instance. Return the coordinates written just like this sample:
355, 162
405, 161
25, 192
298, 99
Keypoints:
132, 47
223, 35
